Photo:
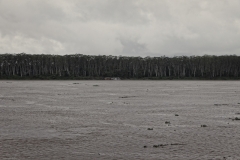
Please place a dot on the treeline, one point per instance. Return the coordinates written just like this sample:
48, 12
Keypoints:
78, 66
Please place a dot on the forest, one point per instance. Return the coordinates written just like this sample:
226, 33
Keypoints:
79, 66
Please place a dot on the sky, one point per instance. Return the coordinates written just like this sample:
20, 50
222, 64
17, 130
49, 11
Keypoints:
120, 27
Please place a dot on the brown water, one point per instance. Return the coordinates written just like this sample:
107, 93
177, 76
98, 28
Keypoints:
116, 119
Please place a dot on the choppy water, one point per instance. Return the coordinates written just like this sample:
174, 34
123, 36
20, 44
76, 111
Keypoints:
119, 119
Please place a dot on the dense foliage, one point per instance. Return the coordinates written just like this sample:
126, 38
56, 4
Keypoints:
78, 66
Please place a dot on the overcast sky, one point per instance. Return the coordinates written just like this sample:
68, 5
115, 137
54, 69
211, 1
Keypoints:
120, 27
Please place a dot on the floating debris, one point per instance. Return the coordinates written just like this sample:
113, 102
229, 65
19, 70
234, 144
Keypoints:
150, 129
176, 144
159, 145
172, 144
127, 96
236, 118
167, 122
95, 85
144, 146
203, 125
176, 115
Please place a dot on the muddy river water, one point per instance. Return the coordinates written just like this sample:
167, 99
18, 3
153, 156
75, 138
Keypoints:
120, 120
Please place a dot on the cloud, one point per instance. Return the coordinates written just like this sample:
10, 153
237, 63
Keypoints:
132, 46
120, 27
111, 11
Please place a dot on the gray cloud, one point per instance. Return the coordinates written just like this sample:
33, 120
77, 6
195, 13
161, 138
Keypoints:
112, 11
120, 27
133, 47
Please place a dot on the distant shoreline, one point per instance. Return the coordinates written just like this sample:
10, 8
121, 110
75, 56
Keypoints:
88, 67
102, 78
